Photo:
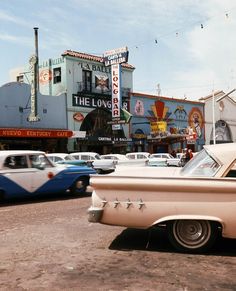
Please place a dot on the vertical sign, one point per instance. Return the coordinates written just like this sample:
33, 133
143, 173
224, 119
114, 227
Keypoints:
114, 58
116, 91
116, 94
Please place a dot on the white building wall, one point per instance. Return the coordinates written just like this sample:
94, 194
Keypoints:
74, 68
224, 110
71, 81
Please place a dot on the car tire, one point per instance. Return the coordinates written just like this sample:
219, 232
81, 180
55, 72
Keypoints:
194, 236
80, 186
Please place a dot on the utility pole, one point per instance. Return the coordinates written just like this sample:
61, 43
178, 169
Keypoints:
213, 118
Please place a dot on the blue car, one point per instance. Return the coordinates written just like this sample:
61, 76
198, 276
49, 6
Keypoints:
30, 173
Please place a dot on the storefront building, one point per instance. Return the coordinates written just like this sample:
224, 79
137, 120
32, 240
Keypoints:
161, 124
86, 81
220, 118
158, 124
49, 133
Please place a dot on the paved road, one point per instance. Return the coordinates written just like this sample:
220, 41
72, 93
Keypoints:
50, 245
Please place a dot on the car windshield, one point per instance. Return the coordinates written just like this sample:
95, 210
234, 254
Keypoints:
37, 160
202, 165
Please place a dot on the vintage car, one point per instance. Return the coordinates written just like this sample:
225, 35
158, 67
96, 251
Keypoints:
102, 166
115, 157
156, 163
122, 160
195, 203
176, 162
159, 159
64, 158
138, 155
31, 173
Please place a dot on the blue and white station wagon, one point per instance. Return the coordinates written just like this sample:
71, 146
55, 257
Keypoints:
31, 173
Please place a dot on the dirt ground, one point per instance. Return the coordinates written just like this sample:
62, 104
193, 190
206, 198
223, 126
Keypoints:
49, 245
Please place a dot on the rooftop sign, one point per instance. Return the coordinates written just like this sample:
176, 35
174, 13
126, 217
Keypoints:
116, 56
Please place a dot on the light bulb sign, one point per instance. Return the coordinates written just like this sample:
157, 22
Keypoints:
114, 58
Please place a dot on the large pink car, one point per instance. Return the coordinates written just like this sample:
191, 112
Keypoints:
196, 203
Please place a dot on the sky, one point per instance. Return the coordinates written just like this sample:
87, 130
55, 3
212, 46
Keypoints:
180, 49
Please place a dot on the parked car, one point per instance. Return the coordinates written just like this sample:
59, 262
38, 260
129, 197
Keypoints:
102, 166
160, 162
138, 155
196, 203
30, 173
161, 156
176, 162
114, 157
122, 160
64, 158
159, 159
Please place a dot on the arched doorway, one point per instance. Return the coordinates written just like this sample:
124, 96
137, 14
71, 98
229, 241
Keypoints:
99, 134
222, 133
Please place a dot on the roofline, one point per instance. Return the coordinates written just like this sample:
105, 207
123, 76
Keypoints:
90, 57
222, 96
210, 95
143, 95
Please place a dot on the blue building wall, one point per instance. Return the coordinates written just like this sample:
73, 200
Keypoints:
15, 108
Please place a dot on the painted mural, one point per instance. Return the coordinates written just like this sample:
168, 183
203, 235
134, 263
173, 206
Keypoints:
195, 121
162, 117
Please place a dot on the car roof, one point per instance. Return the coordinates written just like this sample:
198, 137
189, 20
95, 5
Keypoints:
145, 153
17, 152
6, 153
161, 154
84, 153
225, 153
138, 153
119, 156
57, 155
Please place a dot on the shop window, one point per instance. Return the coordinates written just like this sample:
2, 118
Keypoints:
56, 75
87, 80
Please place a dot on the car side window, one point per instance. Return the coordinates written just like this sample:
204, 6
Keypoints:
57, 159
86, 157
37, 160
232, 172
131, 157
9, 163
68, 158
77, 157
141, 156
16, 162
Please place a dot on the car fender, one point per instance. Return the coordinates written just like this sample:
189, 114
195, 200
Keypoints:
165, 219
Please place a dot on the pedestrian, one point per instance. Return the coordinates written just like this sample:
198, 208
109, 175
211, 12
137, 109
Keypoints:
173, 153
186, 156
190, 154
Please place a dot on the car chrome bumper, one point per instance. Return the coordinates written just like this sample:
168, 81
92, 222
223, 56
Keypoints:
95, 214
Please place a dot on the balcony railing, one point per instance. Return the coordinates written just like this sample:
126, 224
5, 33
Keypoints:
89, 88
